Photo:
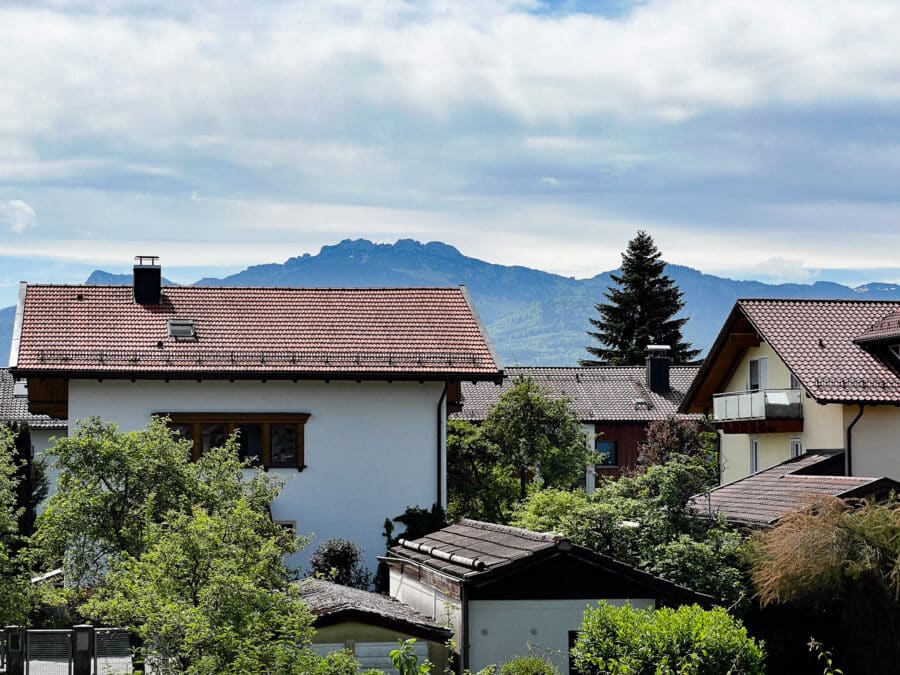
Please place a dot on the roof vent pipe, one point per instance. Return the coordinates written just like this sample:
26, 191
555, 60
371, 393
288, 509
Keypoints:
147, 280
657, 372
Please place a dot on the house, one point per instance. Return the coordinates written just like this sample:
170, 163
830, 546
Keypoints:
788, 377
615, 404
342, 392
14, 410
370, 625
763, 498
506, 590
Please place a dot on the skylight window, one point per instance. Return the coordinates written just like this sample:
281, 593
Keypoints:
182, 329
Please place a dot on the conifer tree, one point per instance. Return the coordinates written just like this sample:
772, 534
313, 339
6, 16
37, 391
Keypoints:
640, 311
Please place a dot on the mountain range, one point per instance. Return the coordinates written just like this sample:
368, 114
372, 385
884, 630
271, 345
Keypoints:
533, 317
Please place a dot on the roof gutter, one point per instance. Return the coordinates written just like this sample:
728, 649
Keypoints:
848, 455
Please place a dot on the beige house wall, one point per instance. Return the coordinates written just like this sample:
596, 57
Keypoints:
349, 633
876, 441
823, 425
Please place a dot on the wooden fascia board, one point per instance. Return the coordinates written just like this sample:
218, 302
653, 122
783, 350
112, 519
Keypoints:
698, 398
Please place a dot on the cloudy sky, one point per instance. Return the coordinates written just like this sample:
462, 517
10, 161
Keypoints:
751, 139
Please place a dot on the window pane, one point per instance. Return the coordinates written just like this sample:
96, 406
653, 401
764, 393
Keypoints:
284, 444
250, 441
213, 436
607, 453
184, 432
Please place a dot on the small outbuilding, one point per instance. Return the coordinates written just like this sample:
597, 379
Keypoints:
370, 625
507, 590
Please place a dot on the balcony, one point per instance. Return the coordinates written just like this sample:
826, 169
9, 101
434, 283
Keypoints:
761, 411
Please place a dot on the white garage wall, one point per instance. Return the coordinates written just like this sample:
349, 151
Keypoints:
370, 446
501, 629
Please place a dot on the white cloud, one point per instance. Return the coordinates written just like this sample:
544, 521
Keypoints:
17, 215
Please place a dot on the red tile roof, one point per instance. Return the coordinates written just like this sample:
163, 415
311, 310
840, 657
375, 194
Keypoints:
605, 393
765, 497
246, 332
815, 339
887, 328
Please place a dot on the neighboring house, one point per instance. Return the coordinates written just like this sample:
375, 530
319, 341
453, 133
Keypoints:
42, 428
342, 392
763, 498
614, 403
787, 377
371, 625
507, 590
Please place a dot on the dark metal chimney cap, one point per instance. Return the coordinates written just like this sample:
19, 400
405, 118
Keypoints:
141, 261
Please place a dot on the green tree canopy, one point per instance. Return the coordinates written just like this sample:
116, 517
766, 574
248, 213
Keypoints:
536, 435
640, 311
113, 486
14, 586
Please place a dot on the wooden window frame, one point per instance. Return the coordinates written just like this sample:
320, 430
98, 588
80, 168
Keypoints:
615, 453
233, 420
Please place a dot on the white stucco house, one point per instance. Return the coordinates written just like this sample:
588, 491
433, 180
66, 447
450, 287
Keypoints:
789, 377
342, 392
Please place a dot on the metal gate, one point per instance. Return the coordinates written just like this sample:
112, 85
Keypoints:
83, 650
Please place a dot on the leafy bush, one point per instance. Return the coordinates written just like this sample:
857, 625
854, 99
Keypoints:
677, 436
528, 665
338, 560
688, 641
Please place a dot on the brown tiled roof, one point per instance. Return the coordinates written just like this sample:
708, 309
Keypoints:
286, 332
606, 393
15, 408
815, 339
765, 497
332, 603
886, 328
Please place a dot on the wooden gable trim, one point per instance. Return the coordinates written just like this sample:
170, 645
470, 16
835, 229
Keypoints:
48, 396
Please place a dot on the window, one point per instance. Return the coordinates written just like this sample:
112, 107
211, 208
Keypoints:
270, 440
759, 374
895, 350
795, 383
181, 329
607, 453
754, 455
796, 447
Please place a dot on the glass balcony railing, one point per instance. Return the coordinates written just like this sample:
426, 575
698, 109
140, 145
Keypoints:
763, 404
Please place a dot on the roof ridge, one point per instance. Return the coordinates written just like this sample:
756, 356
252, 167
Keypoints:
551, 537
828, 301
259, 288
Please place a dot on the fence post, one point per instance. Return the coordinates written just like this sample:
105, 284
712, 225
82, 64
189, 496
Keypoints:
83, 653
15, 650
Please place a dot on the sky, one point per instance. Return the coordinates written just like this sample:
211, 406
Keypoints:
752, 140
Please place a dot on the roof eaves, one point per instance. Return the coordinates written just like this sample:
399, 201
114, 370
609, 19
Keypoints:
482, 330
17, 325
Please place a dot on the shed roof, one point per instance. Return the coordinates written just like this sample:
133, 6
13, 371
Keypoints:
478, 552
765, 497
15, 408
332, 603
605, 393
249, 332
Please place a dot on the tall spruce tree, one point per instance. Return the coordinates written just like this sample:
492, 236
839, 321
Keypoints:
641, 311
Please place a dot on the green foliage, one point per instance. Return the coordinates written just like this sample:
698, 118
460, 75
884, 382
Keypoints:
643, 520
14, 584
31, 476
113, 486
640, 310
338, 560
688, 640
677, 436
536, 435
210, 594
528, 665
406, 662
478, 484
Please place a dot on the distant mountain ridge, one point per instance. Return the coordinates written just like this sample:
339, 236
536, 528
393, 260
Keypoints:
533, 317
